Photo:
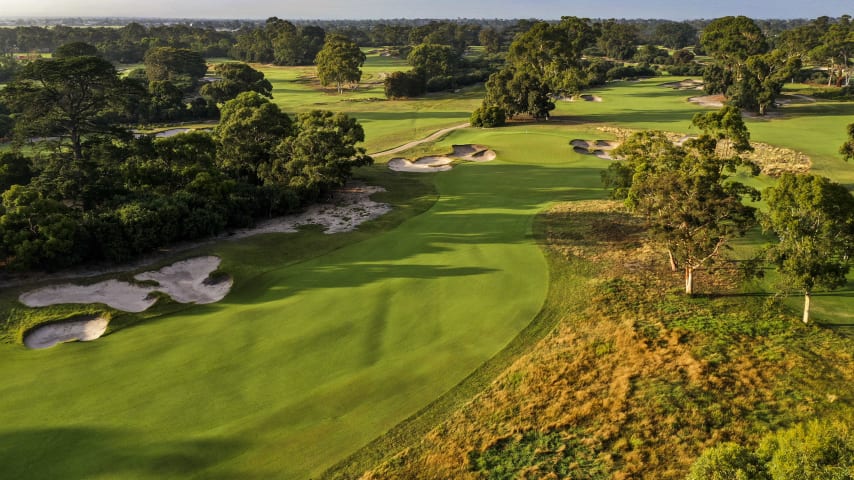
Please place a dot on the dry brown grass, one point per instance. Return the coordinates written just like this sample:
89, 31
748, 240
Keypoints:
639, 378
773, 161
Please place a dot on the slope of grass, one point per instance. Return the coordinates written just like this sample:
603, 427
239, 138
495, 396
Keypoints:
635, 380
309, 357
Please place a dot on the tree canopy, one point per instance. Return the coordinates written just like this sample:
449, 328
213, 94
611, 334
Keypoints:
813, 219
236, 78
339, 62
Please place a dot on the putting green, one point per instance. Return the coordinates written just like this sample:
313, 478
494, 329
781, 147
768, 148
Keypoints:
303, 364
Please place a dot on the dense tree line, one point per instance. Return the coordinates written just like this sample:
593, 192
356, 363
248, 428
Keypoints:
96, 192
127, 44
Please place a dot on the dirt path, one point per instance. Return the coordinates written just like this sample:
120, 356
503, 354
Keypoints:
407, 146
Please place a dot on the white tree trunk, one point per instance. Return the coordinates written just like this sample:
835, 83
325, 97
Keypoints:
689, 280
807, 307
673, 266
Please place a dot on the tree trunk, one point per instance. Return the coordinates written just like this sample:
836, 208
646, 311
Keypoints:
689, 280
807, 307
76, 145
673, 266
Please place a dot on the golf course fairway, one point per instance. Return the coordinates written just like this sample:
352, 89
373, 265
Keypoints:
303, 364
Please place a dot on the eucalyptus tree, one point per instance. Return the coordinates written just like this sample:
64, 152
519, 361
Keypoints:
339, 62
813, 219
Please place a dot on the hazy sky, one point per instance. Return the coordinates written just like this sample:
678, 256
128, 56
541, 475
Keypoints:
335, 9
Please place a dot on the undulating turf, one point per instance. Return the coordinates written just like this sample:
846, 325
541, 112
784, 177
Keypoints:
302, 363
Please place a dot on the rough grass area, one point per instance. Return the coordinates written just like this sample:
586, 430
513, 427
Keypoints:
636, 379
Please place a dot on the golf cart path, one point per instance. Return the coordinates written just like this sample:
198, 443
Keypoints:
434, 136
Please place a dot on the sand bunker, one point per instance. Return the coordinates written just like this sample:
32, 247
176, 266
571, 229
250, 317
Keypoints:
591, 98
113, 293
597, 148
422, 165
82, 329
442, 163
716, 101
351, 207
687, 84
185, 281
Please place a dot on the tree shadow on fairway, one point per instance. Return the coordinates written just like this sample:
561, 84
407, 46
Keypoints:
81, 453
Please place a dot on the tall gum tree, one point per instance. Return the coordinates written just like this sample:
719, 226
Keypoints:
67, 96
813, 219
339, 62
684, 192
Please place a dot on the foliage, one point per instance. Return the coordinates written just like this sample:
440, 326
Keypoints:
236, 78
813, 219
728, 461
279, 42
404, 85
320, 154
431, 60
675, 35
818, 449
76, 49
69, 96
543, 62
488, 117
847, 148
339, 62
181, 66
247, 134
684, 193
617, 40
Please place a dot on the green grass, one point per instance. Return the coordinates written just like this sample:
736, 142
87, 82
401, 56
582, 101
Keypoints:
327, 342
387, 123
308, 358
817, 129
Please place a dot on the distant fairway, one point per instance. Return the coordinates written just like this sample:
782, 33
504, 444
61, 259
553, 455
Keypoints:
304, 363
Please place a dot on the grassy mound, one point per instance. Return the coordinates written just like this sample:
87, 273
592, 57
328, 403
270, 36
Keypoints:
635, 380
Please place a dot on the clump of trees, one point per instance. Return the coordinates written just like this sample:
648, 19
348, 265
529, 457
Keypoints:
101, 194
279, 42
685, 193
817, 449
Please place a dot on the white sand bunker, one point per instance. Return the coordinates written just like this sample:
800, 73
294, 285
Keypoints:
114, 293
597, 148
82, 329
351, 207
422, 165
716, 101
591, 98
185, 281
442, 163
687, 84
188, 281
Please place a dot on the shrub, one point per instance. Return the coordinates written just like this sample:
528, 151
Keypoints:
488, 117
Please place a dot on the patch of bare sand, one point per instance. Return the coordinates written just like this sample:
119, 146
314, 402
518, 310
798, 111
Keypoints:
422, 165
188, 281
83, 329
598, 148
716, 101
686, 84
185, 281
351, 206
113, 293
442, 163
